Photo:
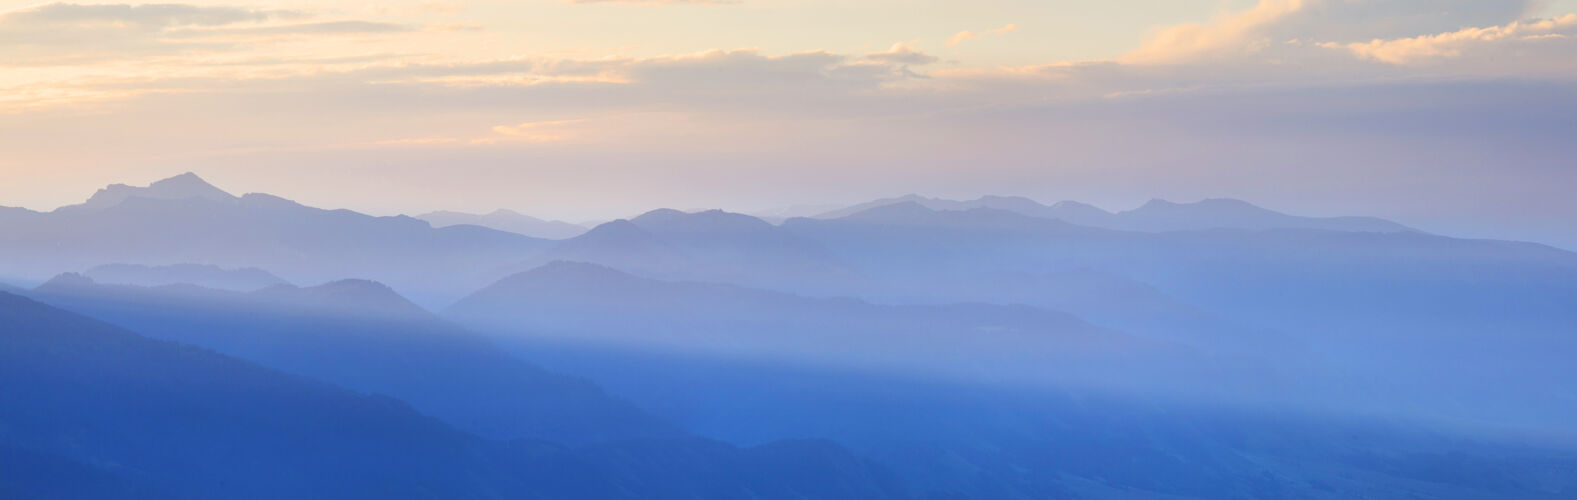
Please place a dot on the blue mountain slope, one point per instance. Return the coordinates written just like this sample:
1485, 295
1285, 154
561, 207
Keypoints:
196, 424
595, 305
1391, 307
364, 336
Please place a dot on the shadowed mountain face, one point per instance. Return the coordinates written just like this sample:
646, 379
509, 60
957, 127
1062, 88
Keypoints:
183, 220
363, 336
507, 220
242, 280
99, 409
1157, 215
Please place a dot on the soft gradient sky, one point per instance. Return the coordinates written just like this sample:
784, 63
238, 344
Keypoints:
1450, 115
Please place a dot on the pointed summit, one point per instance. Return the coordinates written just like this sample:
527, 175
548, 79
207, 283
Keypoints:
181, 187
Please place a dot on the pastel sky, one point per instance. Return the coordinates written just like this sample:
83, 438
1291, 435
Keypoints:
1450, 115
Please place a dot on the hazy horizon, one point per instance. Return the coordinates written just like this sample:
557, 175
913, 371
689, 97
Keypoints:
1449, 116
590, 214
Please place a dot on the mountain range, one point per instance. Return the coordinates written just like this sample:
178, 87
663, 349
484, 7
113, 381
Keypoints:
506, 220
990, 348
183, 220
1156, 215
243, 280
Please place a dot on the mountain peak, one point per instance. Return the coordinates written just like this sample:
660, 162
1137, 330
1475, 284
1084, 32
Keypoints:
567, 272
901, 211
67, 281
181, 187
615, 231
352, 296
504, 212
665, 220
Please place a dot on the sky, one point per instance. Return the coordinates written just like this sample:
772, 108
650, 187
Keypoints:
1454, 116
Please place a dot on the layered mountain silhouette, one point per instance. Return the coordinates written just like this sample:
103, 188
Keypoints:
988, 348
98, 409
507, 220
711, 245
1370, 303
591, 304
244, 279
184, 219
364, 336
1157, 215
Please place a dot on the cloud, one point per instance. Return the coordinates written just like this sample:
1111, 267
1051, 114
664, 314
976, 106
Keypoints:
1433, 48
315, 28
1292, 94
57, 15
541, 131
1272, 28
655, 2
964, 36
901, 53
1232, 33
65, 34
961, 37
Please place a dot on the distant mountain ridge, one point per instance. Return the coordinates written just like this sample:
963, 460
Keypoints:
507, 220
710, 245
183, 219
241, 280
1156, 215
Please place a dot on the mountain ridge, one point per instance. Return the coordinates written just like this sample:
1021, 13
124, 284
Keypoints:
1155, 215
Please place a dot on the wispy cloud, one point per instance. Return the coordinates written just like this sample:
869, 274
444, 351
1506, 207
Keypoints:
964, 36
542, 131
1237, 32
901, 53
1429, 48
654, 2
63, 34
